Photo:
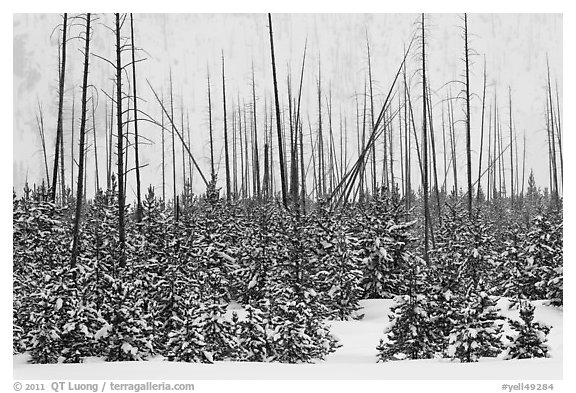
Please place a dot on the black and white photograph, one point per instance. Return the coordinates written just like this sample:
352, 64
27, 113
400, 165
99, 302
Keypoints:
287, 196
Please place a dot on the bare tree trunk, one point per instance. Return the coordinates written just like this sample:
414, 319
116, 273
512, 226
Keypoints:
523, 163
163, 155
511, 149
79, 197
322, 166
433, 145
72, 144
242, 183
247, 157
408, 190
302, 173
213, 174
256, 165
400, 124
279, 129
481, 131
107, 151
490, 166
62, 172
121, 196
59, 133
110, 138
95, 146
372, 128
174, 193
363, 167
234, 155
468, 145
190, 171
453, 145
559, 133
299, 128
444, 150
182, 145
40, 122
226, 155
553, 140
136, 147
425, 149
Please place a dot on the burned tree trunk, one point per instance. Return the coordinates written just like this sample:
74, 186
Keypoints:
81, 156
59, 133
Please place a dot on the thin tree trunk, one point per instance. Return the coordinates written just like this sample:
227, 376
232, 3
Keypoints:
213, 174
62, 172
444, 150
559, 133
468, 121
242, 183
511, 149
107, 151
111, 137
163, 155
59, 131
490, 169
226, 155
279, 129
482, 131
322, 167
72, 144
299, 127
183, 156
408, 188
79, 195
136, 147
425, 148
174, 193
553, 140
433, 145
234, 155
120, 144
247, 157
523, 163
95, 146
373, 150
40, 122
256, 165
453, 144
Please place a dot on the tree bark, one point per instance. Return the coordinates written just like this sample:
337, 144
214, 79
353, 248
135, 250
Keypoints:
80, 190
278, 128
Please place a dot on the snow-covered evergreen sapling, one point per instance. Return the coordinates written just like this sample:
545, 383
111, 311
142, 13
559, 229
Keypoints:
253, 335
412, 334
218, 332
477, 333
186, 343
530, 340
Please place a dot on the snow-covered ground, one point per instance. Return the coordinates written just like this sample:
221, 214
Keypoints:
356, 359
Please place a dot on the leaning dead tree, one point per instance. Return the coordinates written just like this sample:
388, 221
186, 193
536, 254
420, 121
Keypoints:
341, 193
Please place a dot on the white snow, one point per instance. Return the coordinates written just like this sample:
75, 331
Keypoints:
356, 359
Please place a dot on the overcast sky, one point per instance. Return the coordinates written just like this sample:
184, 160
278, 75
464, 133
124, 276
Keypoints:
515, 47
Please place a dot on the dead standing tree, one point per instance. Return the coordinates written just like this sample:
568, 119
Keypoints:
81, 156
278, 127
59, 136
